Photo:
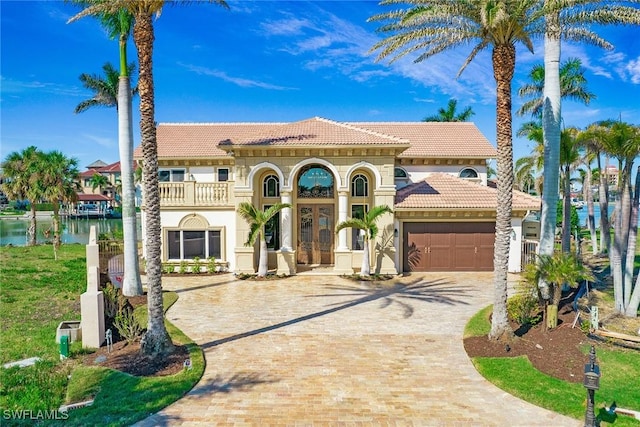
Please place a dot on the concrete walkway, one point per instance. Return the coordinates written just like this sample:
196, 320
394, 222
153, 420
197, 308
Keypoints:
322, 350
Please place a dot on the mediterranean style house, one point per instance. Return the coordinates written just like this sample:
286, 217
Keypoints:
432, 174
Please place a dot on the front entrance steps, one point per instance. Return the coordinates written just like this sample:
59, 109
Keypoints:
316, 270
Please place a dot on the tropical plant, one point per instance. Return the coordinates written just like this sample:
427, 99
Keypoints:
569, 159
104, 87
449, 114
257, 220
21, 182
368, 224
99, 181
156, 341
114, 90
436, 26
557, 270
59, 183
573, 85
568, 18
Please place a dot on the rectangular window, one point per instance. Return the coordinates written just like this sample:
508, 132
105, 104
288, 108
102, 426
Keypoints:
173, 245
193, 244
171, 175
357, 236
272, 231
215, 244
223, 175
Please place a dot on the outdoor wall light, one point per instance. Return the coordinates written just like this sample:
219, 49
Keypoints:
395, 232
513, 234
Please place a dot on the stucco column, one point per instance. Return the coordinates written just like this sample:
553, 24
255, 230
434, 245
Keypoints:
343, 197
286, 223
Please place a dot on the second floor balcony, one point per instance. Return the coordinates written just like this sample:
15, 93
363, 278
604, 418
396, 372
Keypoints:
192, 193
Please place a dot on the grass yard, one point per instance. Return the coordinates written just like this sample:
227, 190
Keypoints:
36, 294
619, 382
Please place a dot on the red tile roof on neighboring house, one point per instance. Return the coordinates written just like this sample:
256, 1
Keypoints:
83, 197
422, 139
445, 191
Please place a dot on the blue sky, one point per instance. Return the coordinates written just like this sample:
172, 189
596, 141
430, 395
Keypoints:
265, 62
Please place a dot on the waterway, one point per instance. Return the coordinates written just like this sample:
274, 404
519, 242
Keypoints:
14, 231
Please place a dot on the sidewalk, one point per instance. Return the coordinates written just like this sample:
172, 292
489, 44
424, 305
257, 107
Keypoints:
321, 350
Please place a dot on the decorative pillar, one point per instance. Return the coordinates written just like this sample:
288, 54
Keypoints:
343, 205
286, 256
286, 222
342, 255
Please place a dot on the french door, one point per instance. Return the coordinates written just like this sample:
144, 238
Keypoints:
315, 234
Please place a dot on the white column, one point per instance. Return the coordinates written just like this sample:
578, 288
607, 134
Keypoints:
342, 216
286, 223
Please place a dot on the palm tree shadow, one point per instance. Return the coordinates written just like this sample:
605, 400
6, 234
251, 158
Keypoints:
238, 382
435, 291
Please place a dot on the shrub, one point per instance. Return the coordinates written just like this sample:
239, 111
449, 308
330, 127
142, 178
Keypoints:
211, 264
196, 265
168, 267
126, 323
182, 269
523, 307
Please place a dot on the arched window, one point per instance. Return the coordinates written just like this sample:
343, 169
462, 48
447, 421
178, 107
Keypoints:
359, 186
400, 173
315, 182
468, 173
271, 186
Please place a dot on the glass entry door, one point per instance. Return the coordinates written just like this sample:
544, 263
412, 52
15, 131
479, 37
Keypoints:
315, 234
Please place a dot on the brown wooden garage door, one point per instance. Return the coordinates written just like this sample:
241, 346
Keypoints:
448, 246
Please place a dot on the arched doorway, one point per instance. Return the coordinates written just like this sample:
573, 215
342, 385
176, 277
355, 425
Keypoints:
316, 215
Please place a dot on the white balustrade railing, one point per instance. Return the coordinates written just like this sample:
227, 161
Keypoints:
191, 193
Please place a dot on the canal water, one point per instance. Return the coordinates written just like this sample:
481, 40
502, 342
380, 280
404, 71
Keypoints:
14, 231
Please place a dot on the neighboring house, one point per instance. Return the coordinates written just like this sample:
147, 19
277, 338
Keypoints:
111, 172
432, 174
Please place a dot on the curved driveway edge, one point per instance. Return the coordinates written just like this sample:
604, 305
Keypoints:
323, 350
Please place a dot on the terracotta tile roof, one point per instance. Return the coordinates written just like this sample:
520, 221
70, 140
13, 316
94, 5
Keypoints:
112, 168
422, 139
84, 197
315, 131
445, 191
437, 139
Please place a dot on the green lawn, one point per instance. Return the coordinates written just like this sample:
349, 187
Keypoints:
619, 382
36, 294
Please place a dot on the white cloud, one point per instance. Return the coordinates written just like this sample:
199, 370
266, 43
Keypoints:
12, 86
102, 141
633, 68
239, 81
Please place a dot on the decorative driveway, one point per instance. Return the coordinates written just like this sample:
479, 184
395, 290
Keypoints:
324, 351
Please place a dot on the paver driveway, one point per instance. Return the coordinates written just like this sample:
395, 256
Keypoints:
322, 350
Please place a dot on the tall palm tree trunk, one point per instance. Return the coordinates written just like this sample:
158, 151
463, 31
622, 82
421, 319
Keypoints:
131, 283
263, 262
503, 57
55, 222
365, 268
566, 212
588, 196
603, 201
156, 341
33, 226
551, 116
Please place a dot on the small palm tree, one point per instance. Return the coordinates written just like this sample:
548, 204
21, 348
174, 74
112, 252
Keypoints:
21, 172
557, 270
257, 220
368, 224
449, 114
99, 181
59, 184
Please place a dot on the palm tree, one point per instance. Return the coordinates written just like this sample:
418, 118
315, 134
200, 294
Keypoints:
98, 181
115, 91
449, 114
573, 85
368, 224
567, 18
569, 158
59, 182
104, 88
156, 341
21, 172
529, 167
257, 220
556, 270
436, 26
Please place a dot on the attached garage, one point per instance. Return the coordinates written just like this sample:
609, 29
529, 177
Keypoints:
448, 246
